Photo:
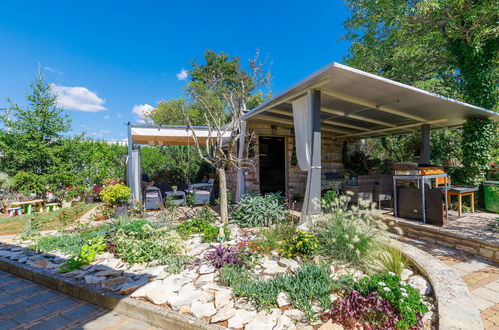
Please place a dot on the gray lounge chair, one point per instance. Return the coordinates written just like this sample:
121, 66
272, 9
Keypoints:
202, 192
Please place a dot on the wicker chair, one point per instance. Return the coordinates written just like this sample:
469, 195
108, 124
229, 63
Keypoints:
383, 189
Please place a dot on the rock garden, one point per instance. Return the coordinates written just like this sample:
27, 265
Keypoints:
259, 271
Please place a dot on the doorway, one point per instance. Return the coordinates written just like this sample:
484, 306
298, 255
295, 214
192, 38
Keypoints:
272, 152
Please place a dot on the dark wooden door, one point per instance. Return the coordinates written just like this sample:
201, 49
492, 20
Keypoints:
272, 151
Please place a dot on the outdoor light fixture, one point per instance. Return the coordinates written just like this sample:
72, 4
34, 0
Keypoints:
274, 129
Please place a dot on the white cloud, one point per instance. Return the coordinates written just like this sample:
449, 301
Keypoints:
141, 111
78, 98
106, 117
51, 69
120, 115
100, 133
182, 75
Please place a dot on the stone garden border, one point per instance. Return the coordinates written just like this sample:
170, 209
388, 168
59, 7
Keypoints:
139, 310
455, 306
453, 299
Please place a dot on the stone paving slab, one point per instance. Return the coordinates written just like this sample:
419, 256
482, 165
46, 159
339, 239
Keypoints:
480, 275
26, 305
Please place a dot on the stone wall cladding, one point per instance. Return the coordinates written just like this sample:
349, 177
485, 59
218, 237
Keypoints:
485, 249
331, 154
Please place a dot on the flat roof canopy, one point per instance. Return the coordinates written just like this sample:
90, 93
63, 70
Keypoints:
173, 135
355, 103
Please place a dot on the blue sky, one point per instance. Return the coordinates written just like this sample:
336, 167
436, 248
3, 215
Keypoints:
107, 57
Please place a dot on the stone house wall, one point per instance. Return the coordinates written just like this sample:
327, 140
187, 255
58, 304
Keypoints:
331, 154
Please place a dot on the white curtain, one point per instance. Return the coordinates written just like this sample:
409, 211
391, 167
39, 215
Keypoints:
302, 117
241, 185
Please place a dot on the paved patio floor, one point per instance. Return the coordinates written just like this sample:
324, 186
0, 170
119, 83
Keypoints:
26, 305
481, 277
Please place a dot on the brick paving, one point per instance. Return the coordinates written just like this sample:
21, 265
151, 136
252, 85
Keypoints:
26, 305
481, 277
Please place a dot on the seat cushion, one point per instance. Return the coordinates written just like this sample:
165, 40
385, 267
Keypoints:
462, 190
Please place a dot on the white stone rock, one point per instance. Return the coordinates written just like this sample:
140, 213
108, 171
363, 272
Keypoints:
197, 249
110, 272
157, 273
142, 291
329, 325
244, 303
159, 295
283, 299
295, 314
271, 267
131, 286
224, 298
186, 296
206, 269
419, 283
205, 279
175, 282
406, 273
90, 279
284, 323
241, 318
223, 314
203, 310
264, 321
290, 263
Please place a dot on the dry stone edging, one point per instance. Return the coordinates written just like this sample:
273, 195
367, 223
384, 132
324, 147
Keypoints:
139, 310
455, 306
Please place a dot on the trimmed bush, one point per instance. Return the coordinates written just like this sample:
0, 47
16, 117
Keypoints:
259, 210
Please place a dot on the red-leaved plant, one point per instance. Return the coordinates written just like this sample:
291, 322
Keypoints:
220, 256
355, 311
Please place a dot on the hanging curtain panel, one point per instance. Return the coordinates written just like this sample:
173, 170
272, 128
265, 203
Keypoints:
302, 117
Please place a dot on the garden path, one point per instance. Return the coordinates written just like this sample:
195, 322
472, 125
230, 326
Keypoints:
481, 277
26, 305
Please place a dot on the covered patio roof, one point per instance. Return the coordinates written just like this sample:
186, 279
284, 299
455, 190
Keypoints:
172, 134
358, 104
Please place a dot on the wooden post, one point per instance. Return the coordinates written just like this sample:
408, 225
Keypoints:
425, 143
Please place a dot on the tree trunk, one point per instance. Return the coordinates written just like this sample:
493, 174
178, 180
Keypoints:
222, 187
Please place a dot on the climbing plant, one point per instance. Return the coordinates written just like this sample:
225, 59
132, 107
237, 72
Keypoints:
478, 138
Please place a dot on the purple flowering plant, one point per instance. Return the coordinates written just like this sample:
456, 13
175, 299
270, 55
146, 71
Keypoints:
220, 256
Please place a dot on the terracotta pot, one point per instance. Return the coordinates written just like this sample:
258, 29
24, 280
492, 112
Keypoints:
100, 218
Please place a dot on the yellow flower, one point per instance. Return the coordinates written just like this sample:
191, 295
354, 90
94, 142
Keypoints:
306, 239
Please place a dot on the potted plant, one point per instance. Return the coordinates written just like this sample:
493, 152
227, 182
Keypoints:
117, 196
174, 188
92, 193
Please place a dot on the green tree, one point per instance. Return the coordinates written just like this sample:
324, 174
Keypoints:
220, 88
170, 113
34, 131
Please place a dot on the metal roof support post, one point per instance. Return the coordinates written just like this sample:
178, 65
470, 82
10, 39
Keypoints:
425, 143
314, 175
129, 163
241, 182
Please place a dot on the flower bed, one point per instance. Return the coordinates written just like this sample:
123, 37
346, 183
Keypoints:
257, 278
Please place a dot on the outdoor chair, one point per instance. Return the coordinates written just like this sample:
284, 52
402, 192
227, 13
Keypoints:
363, 190
458, 191
202, 192
383, 189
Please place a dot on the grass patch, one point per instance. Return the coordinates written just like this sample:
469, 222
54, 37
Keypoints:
68, 243
47, 220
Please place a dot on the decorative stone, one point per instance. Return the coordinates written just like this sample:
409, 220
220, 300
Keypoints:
272, 268
223, 314
329, 325
284, 323
290, 263
186, 296
110, 272
131, 286
295, 314
224, 298
283, 299
206, 269
72, 273
197, 250
419, 283
244, 303
406, 273
264, 321
159, 295
205, 279
184, 310
203, 310
157, 273
240, 318
114, 283
90, 279
143, 290
175, 282
41, 264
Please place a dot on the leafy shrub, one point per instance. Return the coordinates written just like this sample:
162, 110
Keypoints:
357, 312
175, 263
346, 232
259, 210
403, 297
200, 225
328, 197
87, 254
220, 256
387, 260
310, 283
272, 238
67, 243
29, 182
301, 243
5, 182
210, 233
134, 227
146, 244
115, 194
70, 215
206, 214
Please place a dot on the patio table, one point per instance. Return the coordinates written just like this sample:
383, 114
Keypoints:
28, 205
178, 197
421, 179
